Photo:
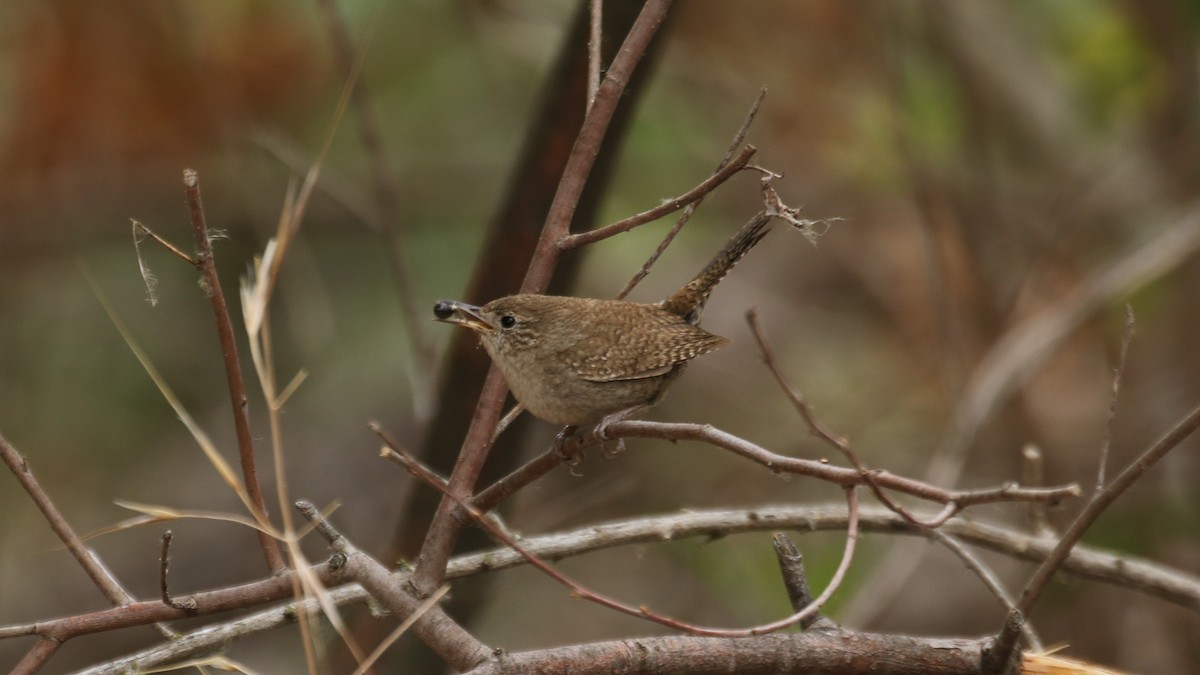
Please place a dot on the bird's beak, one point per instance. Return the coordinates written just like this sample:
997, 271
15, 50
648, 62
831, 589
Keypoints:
452, 311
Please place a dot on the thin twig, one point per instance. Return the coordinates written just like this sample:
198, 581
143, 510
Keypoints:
87, 559
509, 417
578, 590
838, 442
738, 139
595, 35
1033, 475
206, 264
989, 578
1126, 336
1006, 640
1085, 562
164, 562
669, 206
842, 476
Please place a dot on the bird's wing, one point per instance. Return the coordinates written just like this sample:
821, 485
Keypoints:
641, 352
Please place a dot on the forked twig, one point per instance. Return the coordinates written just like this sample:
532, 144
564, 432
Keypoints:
414, 467
838, 442
738, 139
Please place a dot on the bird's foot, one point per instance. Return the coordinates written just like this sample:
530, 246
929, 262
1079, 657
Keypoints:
571, 456
609, 454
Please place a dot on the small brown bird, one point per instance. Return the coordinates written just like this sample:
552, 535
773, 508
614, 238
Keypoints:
579, 361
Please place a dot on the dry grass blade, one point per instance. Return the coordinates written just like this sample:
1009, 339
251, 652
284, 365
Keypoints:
206, 445
218, 662
156, 513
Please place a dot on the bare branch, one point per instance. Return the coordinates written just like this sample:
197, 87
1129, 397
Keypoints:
845, 477
738, 139
188, 605
669, 206
838, 442
437, 630
594, 37
233, 370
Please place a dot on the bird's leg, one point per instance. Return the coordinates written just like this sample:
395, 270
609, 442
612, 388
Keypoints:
601, 428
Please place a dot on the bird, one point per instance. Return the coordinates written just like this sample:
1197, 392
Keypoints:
578, 362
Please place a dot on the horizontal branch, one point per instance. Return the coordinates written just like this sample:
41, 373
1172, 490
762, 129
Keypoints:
1128, 572
843, 476
813, 651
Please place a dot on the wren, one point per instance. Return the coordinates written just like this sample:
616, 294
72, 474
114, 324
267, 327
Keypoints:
580, 361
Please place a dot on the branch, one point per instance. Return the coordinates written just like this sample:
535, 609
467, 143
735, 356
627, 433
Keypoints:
233, 372
1086, 562
738, 139
443, 531
642, 611
819, 651
573, 241
435, 628
844, 477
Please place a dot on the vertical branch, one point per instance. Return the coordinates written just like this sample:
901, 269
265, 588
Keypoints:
444, 530
233, 372
594, 37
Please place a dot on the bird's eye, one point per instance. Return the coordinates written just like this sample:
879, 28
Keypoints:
508, 321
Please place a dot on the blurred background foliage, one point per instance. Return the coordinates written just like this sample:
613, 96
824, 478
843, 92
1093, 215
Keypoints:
986, 161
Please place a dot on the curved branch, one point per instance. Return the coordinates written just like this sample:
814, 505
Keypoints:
845, 477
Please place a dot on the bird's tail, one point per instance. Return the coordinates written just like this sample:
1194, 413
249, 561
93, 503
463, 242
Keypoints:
688, 302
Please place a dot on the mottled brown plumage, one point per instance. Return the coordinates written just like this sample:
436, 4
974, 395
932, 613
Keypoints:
579, 361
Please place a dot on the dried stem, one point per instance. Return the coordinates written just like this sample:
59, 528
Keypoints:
1033, 475
841, 476
206, 264
791, 566
96, 571
1126, 572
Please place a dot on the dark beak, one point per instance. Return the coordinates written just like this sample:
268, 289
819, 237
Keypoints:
452, 311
